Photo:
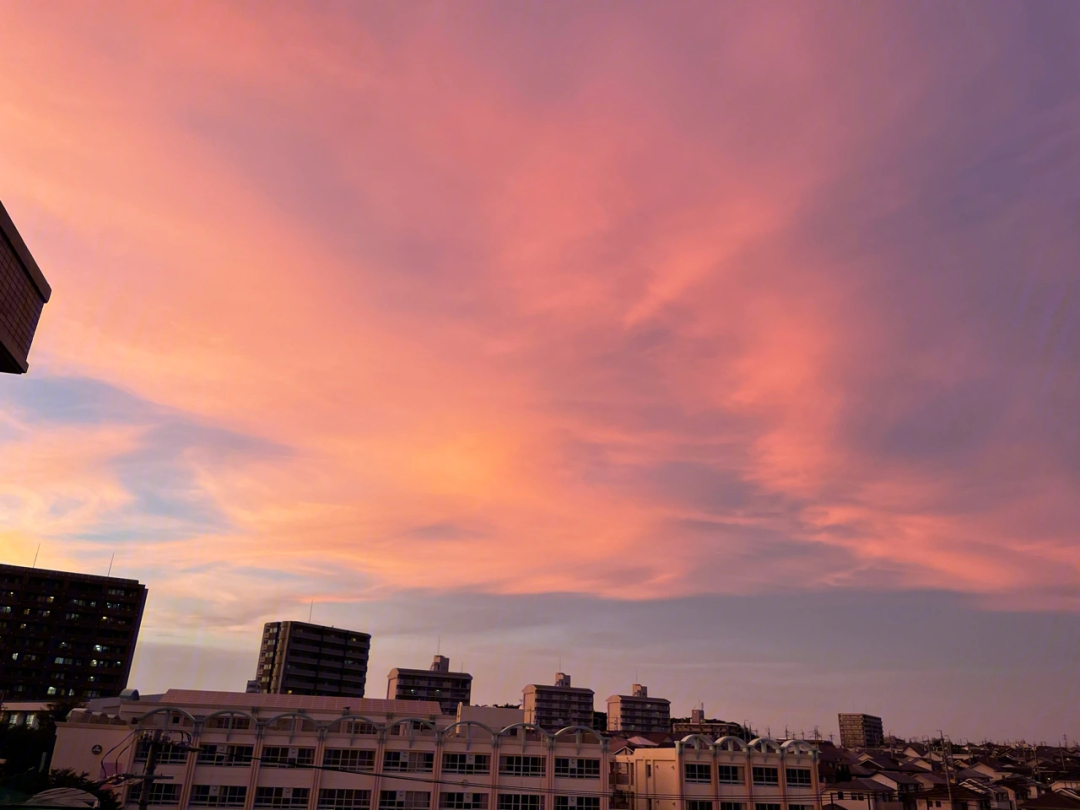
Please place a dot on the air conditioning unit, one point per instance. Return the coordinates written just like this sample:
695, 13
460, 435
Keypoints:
470, 759
215, 790
286, 793
294, 753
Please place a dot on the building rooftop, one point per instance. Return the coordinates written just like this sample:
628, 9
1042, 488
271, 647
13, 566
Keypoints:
263, 700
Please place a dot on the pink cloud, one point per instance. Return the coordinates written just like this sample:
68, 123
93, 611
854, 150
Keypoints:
598, 302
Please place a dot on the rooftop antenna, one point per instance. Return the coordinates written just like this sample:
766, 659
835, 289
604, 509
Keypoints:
111, 558
35, 555
310, 610
438, 645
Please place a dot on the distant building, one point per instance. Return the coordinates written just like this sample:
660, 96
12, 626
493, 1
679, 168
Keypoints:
298, 658
558, 706
437, 683
638, 712
861, 731
64, 634
697, 724
494, 717
23, 293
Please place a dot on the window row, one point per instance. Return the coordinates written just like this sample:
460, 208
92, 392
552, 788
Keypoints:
278, 798
708, 805
733, 774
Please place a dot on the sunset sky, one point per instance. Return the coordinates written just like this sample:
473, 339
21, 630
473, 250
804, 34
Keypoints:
729, 348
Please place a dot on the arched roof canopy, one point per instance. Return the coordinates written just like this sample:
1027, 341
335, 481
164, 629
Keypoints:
731, 743
525, 727
698, 741
765, 745
165, 710
578, 729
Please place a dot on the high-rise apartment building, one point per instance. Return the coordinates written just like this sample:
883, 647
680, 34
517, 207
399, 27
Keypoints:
66, 635
436, 683
298, 658
558, 706
23, 293
638, 712
861, 731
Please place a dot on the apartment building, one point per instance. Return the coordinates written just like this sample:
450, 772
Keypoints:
861, 731
697, 773
23, 294
298, 658
712, 727
558, 706
260, 751
637, 712
64, 634
436, 683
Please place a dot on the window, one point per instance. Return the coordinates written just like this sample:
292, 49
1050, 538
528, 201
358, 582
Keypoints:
731, 806
218, 795
519, 801
281, 796
521, 766
463, 801
584, 803
404, 800
344, 799
160, 793
237, 721
767, 806
800, 807
354, 726
697, 804
408, 761
283, 756
766, 776
648, 771
730, 774
225, 755
167, 754
466, 763
349, 759
798, 777
577, 768
698, 772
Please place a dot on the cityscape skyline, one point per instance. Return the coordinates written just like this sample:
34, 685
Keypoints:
729, 350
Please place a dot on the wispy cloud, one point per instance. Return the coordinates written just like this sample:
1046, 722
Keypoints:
625, 301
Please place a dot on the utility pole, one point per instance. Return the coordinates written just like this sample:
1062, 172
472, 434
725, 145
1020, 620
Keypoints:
944, 762
148, 773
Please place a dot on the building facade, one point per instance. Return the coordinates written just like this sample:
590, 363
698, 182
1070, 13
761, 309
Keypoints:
256, 751
861, 731
698, 773
638, 712
297, 658
64, 634
437, 683
23, 293
712, 727
555, 707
